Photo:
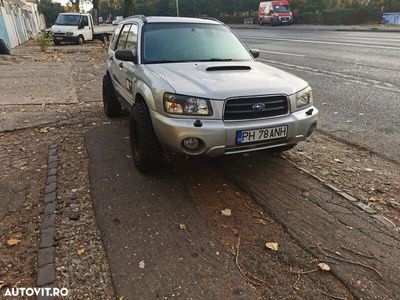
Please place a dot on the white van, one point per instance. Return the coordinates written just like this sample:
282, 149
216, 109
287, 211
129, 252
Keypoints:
78, 28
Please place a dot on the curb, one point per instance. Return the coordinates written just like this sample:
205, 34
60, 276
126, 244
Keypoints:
46, 272
369, 210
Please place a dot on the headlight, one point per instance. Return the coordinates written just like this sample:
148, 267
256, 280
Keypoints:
186, 105
304, 98
276, 15
69, 33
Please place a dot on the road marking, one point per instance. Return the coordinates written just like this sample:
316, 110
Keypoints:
331, 74
321, 42
282, 53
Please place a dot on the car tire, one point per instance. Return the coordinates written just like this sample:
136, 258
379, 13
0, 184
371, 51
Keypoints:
80, 40
147, 152
57, 43
281, 149
111, 105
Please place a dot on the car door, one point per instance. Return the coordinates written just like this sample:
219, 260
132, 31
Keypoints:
129, 68
85, 28
117, 66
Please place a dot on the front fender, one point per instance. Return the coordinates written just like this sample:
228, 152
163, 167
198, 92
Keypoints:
143, 90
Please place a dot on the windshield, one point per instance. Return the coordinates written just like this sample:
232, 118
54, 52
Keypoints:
68, 20
183, 42
279, 8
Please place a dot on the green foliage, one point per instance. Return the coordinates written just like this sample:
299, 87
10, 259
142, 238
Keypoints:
50, 10
44, 41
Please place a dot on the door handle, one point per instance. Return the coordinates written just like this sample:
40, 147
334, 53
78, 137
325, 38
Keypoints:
121, 65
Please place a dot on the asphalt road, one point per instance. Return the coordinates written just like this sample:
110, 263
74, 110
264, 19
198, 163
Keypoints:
355, 77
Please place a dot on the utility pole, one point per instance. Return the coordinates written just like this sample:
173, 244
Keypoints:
177, 7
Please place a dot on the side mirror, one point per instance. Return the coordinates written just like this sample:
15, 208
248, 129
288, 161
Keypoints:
125, 55
255, 52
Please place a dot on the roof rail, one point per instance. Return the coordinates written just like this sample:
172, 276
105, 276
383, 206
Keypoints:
141, 17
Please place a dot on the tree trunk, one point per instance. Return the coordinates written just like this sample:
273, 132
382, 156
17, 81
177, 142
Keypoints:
96, 12
128, 8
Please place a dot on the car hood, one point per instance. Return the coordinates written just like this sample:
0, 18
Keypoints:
227, 79
63, 28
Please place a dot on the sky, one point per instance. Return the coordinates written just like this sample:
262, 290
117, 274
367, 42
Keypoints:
85, 5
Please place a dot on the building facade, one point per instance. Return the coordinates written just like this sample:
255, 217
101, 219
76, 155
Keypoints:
19, 21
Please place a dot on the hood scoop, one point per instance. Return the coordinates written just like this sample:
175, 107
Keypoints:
227, 68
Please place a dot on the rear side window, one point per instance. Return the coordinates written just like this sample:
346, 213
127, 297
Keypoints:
123, 36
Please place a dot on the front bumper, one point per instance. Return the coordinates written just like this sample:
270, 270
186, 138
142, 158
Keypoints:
65, 38
219, 137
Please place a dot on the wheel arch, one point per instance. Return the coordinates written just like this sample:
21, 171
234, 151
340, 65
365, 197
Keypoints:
144, 93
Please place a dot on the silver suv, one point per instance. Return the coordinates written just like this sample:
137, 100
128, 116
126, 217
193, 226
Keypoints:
193, 87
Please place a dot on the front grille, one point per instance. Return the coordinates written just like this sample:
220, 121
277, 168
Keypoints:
59, 34
243, 108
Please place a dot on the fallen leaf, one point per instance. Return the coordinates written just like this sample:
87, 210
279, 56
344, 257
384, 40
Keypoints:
368, 169
81, 252
13, 242
272, 246
182, 226
226, 212
44, 130
338, 160
324, 266
141, 264
122, 298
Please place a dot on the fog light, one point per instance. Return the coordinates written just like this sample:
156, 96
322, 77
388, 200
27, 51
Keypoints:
191, 143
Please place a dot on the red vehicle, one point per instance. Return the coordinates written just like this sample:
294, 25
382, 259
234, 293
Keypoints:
275, 13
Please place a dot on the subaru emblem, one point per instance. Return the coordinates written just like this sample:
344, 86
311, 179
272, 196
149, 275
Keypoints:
259, 106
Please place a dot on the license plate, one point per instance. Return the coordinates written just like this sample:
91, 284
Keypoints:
262, 134
58, 38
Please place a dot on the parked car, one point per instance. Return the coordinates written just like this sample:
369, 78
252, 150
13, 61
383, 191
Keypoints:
275, 13
193, 87
78, 28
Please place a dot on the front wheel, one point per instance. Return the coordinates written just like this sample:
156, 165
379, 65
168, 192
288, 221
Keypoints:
146, 150
80, 40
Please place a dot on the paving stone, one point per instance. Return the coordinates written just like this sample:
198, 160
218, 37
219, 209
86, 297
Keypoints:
53, 164
53, 158
347, 197
385, 221
51, 179
52, 171
50, 188
46, 256
47, 237
53, 151
50, 209
366, 208
49, 221
50, 197
46, 275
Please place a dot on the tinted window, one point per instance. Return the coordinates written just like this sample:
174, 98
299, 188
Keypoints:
131, 41
123, 36
84, 21
179, 42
